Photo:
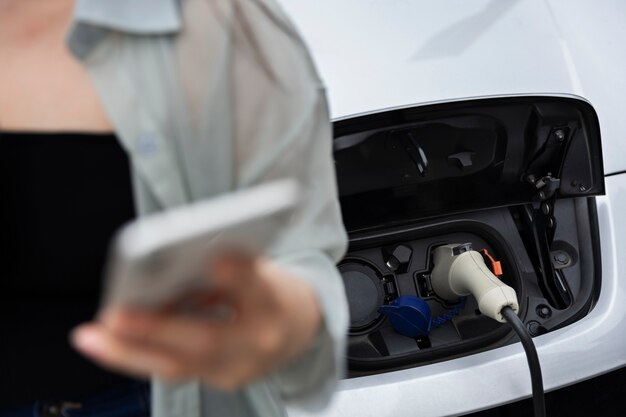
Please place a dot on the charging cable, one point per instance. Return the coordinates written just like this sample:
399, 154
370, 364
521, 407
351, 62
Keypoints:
460, 271
539, 404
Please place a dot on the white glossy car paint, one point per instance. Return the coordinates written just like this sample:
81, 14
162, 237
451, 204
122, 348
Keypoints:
379, 54
376, 54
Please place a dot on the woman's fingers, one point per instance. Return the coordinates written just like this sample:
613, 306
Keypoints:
189, 335
231, 273
257, 317
226, 361
121, 354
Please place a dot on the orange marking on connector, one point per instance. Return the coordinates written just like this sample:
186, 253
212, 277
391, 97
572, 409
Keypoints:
496, 266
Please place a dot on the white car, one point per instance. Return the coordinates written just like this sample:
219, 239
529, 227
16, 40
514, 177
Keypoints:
497, 123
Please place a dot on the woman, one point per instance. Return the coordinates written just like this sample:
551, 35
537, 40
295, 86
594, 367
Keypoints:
205, 96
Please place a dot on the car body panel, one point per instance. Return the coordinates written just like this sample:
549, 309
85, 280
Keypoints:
379, 54
375, 54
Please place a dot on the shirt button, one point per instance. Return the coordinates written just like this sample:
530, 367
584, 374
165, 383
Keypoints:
147, 144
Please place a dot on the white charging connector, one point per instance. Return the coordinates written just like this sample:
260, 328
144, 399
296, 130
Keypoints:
460, 271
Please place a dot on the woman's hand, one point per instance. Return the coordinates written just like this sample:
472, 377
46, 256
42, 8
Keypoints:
272, 318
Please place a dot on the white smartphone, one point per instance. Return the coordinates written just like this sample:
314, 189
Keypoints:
160, 258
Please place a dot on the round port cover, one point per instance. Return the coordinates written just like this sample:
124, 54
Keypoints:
364, 289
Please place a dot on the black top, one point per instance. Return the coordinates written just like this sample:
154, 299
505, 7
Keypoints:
62, 197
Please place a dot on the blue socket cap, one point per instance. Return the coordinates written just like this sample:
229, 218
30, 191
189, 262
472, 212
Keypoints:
410, 316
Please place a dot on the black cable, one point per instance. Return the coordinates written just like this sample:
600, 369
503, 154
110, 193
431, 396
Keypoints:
533, 360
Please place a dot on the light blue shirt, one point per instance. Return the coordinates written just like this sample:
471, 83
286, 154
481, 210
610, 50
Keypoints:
211, 96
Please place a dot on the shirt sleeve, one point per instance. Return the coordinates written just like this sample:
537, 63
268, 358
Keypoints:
249, 77
283, 131
312, 243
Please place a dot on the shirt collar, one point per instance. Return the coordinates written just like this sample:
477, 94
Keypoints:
94, 19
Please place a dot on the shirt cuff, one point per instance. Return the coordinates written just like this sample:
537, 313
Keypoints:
309, 381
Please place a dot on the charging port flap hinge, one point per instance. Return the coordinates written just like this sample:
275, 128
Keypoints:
542, 225
546, 186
